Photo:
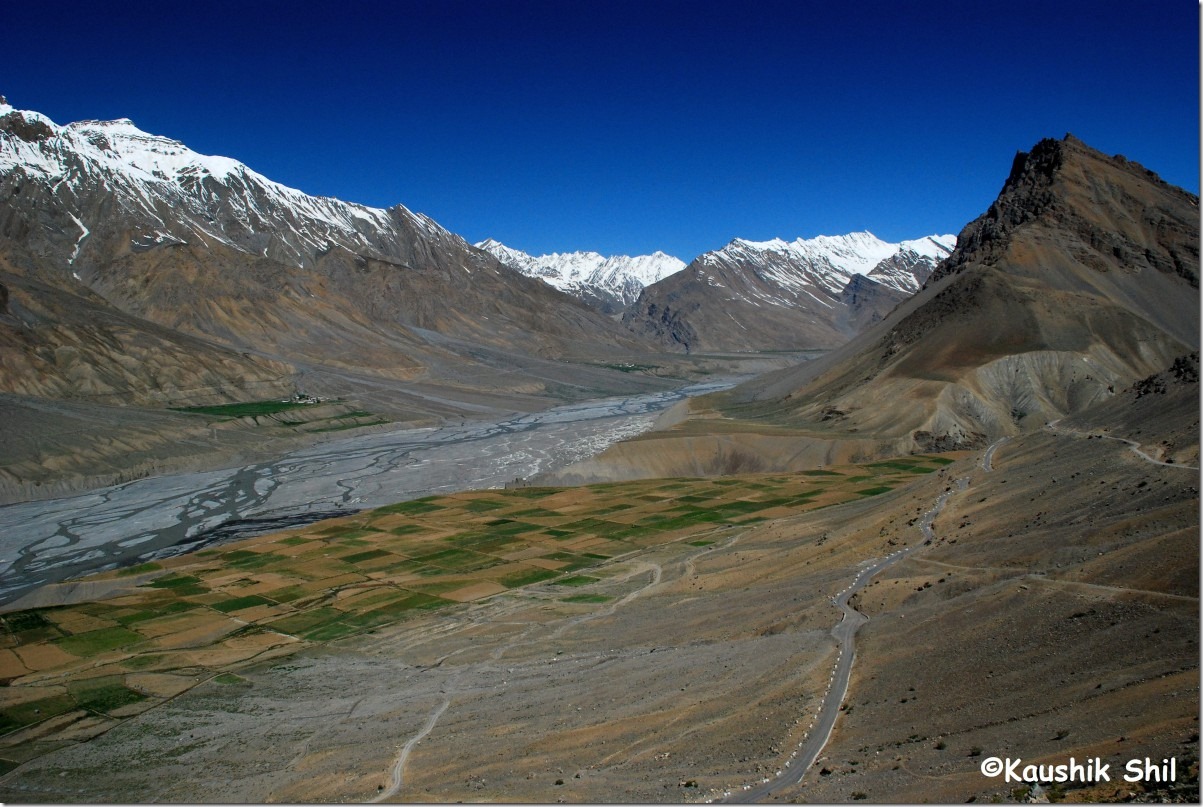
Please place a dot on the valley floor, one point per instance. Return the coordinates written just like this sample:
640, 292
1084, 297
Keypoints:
674, 649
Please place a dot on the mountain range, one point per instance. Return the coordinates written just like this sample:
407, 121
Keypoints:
749, 295
993, 473
609, 284
116, 242
137, 274
779, 295
135, 271
1082, 277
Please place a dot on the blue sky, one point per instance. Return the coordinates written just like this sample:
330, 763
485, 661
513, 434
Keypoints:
626, 127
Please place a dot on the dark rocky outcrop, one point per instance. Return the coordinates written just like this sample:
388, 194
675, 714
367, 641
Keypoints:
1067, 185
31, 130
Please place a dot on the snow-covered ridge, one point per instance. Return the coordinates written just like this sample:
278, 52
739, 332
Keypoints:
854, 253
784, 273
616, 280
908, 269
166, 187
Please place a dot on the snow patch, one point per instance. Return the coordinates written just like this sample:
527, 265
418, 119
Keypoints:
79, 241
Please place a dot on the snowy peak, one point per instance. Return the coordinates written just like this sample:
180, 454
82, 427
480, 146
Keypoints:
782, 295
157, 156
932, 246
828, 262
113, 144
854, 253
610, 284
501, 252
910, 267
169, 193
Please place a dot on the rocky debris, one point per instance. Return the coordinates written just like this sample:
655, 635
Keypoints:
1184, 370
928, 443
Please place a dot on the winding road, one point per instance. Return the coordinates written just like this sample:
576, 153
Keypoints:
1132, 444
819, 732
398, 768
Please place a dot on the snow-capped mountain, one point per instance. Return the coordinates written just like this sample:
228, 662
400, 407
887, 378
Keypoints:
778, 294
610, 284
908, 268
170, 193
828, 262
101, 222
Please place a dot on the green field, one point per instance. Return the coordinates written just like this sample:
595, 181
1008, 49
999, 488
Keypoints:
238, 410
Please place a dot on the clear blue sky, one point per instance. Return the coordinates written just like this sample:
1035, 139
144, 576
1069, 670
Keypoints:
625, 127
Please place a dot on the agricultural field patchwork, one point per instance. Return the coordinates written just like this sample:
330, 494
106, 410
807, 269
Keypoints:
74, 671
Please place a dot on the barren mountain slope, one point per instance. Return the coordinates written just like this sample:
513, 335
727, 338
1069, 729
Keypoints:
1055, 615
60, 343
137, 272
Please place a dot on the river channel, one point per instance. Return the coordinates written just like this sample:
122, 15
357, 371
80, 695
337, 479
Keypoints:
49, 541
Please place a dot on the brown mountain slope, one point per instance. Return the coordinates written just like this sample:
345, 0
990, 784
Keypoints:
1081, 279
56, 343
135, 272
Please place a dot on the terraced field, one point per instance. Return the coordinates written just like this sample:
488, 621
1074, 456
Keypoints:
75, 671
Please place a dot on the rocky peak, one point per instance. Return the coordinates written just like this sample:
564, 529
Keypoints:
1067, 184
1036, 167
